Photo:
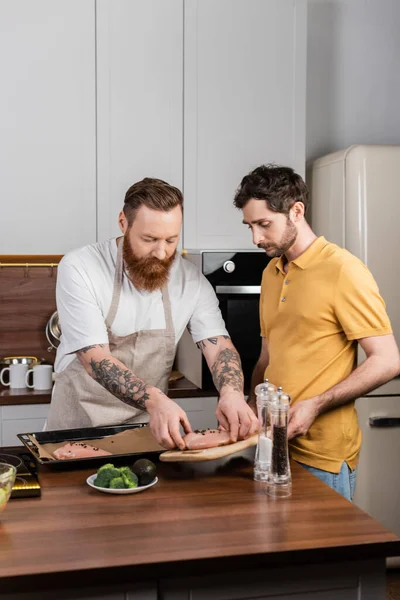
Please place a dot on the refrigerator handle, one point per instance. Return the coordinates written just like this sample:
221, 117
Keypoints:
384, 421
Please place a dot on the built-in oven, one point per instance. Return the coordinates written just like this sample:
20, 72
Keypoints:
236, 278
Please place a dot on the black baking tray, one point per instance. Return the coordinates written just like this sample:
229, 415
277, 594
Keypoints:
76, 435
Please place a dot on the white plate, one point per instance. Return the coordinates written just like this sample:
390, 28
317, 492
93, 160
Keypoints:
141, 488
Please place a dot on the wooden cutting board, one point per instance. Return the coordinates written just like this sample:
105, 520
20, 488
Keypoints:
208, 453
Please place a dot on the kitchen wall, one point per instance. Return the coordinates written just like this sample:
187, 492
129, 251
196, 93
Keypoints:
353, 82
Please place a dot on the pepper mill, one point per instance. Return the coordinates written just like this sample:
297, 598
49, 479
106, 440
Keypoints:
279, 479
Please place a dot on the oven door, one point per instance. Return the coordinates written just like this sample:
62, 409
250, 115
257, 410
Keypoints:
240, 310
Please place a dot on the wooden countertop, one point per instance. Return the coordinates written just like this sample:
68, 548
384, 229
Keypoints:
198, 519
181, 388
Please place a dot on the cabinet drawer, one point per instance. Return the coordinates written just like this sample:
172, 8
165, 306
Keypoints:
26, 411
9, 429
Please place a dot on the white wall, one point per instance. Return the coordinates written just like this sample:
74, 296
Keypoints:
353, 74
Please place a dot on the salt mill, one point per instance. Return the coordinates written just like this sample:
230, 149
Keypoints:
264, 392
279, 478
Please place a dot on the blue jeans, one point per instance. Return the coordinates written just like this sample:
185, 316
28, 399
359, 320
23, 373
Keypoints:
343, 482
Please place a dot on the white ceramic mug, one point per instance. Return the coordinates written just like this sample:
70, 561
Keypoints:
42, 377
17, 376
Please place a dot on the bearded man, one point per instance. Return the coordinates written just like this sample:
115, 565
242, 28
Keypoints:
318, 304
123, 305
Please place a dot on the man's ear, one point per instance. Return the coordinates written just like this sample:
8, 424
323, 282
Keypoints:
297, 211
122, 222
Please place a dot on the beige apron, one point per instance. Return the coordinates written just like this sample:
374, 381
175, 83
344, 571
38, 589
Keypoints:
79, 401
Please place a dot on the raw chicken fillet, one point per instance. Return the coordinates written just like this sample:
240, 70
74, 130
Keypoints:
207, 438
78, 450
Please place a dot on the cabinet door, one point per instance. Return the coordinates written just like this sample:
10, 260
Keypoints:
244, 89
200, 411
378, 484
21, 419
10, 429
47, 122
139, 99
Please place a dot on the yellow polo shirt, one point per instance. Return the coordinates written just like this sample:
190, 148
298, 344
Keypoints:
311, 317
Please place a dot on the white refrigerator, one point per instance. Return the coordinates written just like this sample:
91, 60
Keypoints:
355, 202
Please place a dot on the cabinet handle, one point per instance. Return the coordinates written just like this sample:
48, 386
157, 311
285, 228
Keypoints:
384, 421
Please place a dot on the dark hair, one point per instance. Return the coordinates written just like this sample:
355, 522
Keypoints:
280, 187
153, 193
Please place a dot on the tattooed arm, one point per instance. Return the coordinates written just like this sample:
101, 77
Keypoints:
165, 415
224, 362
226, 368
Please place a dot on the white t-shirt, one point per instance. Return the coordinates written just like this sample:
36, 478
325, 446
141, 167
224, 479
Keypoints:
84, 290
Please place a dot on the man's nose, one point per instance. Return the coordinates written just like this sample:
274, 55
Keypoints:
160, 252
257, 237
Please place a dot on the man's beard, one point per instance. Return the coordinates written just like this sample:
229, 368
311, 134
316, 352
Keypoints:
148, 273
288, 239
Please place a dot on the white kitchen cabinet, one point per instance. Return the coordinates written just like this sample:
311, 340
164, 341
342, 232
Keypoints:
47, 122
200, 411
21, 419
139, 99
244, 105
378, 484
97, 94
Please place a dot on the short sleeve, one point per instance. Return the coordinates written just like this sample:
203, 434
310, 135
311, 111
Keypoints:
81, 320
359, 306
206, 320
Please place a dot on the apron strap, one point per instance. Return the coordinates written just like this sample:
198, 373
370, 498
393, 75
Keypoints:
117, 287
169, 325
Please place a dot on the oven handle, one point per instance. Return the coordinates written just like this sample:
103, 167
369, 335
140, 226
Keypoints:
238, 289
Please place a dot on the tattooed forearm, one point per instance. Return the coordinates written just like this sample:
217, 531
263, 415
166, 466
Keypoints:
120, 382
87, 348
214, 340
227, 370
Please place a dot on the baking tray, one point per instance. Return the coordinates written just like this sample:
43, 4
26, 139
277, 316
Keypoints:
36, 443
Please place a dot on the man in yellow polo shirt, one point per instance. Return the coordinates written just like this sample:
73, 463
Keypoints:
317, 302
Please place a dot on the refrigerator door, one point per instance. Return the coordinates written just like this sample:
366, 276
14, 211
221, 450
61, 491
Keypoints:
378, 482
372, 217
355, 203
326, 180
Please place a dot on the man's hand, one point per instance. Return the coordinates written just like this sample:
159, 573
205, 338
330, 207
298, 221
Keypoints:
235, 415
165, 418
253, 405
301, 416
